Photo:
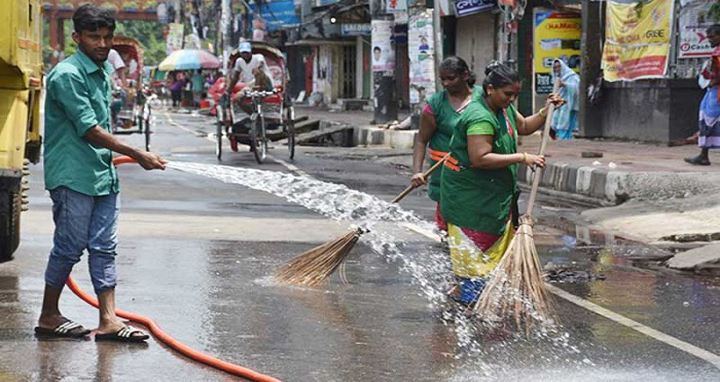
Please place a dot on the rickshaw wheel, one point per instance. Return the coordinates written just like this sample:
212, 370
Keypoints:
291, 131
259, 140
219, 132
146, 119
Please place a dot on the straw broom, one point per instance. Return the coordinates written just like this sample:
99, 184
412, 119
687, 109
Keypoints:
313, 267
516, 288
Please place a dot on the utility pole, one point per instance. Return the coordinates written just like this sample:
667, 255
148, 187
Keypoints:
226, 29
438, 43
383, 64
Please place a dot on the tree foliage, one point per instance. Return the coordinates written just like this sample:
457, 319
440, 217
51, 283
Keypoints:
150, 36
148, 33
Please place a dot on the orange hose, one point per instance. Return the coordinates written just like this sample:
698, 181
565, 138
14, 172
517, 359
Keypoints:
123, 159
164, 337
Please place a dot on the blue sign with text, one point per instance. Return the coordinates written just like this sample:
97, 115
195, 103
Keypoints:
280, 14
468, 7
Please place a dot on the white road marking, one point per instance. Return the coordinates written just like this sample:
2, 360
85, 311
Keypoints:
291, 167
179, 126
648, 331
703, 354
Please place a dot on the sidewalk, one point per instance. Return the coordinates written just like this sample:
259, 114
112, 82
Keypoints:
646, 191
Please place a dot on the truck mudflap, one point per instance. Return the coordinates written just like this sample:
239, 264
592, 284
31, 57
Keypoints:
10, 208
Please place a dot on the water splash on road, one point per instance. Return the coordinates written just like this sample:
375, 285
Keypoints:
430, 269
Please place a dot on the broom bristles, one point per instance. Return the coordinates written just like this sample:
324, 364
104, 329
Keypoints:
315, 266
516, 289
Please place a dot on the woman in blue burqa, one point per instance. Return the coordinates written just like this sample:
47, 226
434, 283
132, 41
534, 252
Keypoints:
564, 120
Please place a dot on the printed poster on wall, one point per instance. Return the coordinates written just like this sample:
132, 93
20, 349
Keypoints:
694, 21
422, 57
637, 40
557, 35
175, 37
393, 6
383, 49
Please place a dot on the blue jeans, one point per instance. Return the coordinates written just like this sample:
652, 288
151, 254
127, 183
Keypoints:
471, 289
83, 222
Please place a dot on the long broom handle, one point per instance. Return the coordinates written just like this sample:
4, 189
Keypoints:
426, 174
543, 145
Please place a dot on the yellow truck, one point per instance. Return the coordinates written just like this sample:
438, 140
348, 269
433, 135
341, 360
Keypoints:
21, 72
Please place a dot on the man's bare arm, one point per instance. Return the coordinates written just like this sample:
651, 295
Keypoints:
234, 77
99, 137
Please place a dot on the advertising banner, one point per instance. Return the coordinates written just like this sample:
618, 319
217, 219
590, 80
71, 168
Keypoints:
637, 39
383, 50
693, 24
174, 37
557, 36
422, 57
278, 14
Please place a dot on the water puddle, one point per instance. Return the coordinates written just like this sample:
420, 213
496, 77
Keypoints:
485, 348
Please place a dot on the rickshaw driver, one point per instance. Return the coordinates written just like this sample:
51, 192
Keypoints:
245, 72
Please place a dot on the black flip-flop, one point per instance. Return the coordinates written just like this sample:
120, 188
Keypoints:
125, 334
68, 329
698, 161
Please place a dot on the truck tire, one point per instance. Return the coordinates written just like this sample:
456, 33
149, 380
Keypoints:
10, 207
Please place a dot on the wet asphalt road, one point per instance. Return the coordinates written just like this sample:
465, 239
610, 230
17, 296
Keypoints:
196, 255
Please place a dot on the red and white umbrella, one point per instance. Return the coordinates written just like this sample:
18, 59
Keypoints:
189, 59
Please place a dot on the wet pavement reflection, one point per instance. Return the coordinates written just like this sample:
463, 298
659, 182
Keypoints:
218, 297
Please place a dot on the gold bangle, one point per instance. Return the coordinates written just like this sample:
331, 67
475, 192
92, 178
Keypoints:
524, 158
543, 112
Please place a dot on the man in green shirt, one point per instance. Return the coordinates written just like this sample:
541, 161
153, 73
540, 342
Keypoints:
81, 178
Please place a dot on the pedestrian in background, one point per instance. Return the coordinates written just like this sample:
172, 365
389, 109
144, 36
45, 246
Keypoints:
437, 122
176, 85
564, 121
478, 193
709, 118
197, 86
81, 178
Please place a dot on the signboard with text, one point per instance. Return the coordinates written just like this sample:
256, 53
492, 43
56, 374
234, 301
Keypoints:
356, 29
693, 23
637, 39
280, 14
469, 7
557, 36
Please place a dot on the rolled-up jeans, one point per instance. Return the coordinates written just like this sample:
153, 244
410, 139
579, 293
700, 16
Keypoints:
83, 222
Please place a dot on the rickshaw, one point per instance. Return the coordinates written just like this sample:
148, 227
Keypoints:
134, 112
273, 117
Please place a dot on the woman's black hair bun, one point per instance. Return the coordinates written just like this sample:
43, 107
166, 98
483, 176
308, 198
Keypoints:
491, 67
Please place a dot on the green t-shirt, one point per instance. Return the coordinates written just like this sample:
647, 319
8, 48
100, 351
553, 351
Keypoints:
78, 99
445, 119
197, 82
475, 198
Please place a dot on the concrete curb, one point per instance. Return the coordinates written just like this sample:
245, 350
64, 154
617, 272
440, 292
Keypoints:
602, 184
592, 182
397, 139
616, 187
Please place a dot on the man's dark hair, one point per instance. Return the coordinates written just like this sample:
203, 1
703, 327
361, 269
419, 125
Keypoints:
499, 75
91, 18
377, 49
713, 29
